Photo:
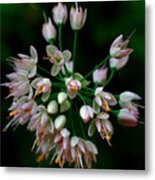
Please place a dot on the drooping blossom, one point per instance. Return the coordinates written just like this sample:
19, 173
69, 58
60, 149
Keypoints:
128, 117
119, 52
60, 13
103, 126
42, 86
86, 113
77, 17
27, 63
49, 31
57, 58
100, 75
41, 122
21, 111
62, 151
127, 98
19, 85
72, 86
82, 152
103, 99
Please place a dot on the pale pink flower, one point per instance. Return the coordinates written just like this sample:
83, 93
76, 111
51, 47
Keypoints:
60, 14
103, 126
27, 63
86, 113
77, 17
21, 111
49, 31
57, 58
42, 86
62, 151
19, 85
41, 121
128, 117
100, 75
103, 99
72, 85
82, 152
127, 98
119, 53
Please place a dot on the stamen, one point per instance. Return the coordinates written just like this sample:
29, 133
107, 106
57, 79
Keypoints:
41, 157
13, 113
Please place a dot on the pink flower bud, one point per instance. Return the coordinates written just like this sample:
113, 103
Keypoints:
100, 75
77, 17
48, 30
86, 113
60, 14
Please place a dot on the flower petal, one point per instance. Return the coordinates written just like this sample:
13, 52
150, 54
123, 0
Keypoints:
66, 55
55, 70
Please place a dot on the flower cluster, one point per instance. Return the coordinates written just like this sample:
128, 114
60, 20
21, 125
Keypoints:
50, 105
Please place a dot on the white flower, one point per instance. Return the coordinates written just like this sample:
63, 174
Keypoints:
60, 122
77, 17
119, 53
60, 14
52, 107
86, 113
128, 117
49, 31
100, 75
42, 85
72, 85
126, 99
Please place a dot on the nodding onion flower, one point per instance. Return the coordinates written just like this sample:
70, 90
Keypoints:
59, 104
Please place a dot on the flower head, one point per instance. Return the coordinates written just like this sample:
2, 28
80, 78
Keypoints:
60, 14
77, 17
119, 53
72, 85
49, 31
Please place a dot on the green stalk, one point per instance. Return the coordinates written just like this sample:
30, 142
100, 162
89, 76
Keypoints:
74, 48
60, 36
96, 67
113, 70
80, 123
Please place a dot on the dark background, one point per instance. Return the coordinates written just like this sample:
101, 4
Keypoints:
21, 27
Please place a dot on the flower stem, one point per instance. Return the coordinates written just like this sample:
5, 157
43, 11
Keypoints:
96, 67
80, 122
42, 69
74, 48
113, 70
60, 36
